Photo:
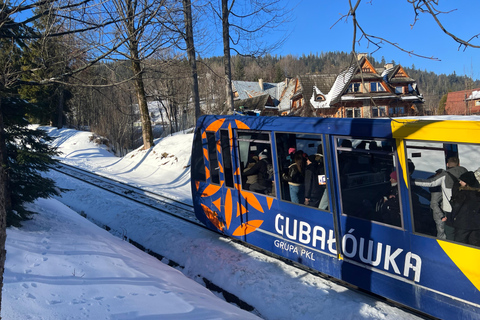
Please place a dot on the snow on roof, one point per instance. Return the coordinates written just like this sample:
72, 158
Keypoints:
342, 80
475, 95
249, 89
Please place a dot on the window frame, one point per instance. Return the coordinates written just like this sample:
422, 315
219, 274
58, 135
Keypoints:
340, 189
239, 140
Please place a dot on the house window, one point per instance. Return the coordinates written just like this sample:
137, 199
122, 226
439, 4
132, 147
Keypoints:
382, 112
366, 70
357, 113
378, 112
354, 87
353, 113
477, 102
376, 87
398, 89
396, 110
320, 97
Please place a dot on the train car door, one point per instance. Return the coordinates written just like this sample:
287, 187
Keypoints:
256, 186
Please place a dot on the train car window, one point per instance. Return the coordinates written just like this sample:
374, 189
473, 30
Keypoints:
198, 162
256, 165
300, 157
441, 206
368, 180
226, 157
212, 157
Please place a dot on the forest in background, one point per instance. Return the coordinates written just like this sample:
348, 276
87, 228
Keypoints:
112, 111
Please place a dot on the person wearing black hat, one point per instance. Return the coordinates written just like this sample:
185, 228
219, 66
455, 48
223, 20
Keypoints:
466, 210
313, 190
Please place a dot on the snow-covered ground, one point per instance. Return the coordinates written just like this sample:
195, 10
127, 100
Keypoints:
62, 266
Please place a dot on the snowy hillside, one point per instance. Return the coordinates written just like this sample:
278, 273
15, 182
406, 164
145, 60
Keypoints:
60, 266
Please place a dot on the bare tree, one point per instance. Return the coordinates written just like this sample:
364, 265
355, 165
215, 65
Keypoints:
143, 29
426, 7
188, 37
245, 25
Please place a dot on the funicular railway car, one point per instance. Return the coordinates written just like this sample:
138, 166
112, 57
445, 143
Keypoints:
397, 253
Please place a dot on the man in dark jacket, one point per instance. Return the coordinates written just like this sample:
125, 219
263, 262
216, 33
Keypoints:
313, 190
466, 210
259, 169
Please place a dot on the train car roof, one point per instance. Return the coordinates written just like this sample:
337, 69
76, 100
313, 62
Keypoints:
404, 127
360, 127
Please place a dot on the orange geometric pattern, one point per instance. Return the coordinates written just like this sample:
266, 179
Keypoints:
213, 217
229, 201
247, 228
252, 200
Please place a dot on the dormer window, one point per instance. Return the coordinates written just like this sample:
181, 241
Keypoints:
319, 97
376, 87
354, 87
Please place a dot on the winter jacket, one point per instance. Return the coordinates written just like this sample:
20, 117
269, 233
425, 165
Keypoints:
446, 182
294, 176
312, 189
259, 169
466, 209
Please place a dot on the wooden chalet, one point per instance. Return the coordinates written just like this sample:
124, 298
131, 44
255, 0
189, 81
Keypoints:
361, 91
463, 102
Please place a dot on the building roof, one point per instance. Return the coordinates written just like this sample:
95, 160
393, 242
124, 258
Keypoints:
250, 89
255, 103
285, 103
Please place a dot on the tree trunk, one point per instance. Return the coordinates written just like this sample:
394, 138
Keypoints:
3, 202
147, 133
226, 55
187, 11
60, 105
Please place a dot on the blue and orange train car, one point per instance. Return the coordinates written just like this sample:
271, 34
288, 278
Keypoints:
348, 236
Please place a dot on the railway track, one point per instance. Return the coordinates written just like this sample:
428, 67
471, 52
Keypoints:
150, 199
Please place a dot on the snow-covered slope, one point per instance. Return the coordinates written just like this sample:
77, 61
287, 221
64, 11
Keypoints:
58, 268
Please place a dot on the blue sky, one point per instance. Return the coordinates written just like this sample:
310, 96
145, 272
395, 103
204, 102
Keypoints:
314, 30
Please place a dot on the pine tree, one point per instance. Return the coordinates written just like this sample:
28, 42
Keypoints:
442, 103
28, 155
25, 152
46, 57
